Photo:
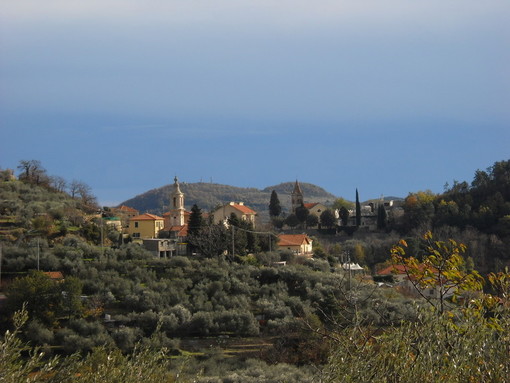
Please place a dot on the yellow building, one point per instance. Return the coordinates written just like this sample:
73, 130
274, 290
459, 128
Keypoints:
145, 226
241, 211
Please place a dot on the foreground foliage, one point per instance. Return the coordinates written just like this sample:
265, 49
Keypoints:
471, 344
142, 364
99, 366
431, 349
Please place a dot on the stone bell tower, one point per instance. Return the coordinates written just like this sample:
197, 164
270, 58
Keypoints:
296, 197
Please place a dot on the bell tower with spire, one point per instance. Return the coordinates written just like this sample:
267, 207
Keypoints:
296, 197
177, 200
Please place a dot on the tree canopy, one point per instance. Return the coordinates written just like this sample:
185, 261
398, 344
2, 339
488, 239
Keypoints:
302, 213
344, 216
342, 203
327, 218
45, 299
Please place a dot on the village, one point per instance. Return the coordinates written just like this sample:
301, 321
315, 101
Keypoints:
166, 236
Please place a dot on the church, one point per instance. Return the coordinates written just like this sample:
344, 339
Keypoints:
176, 219
297, 200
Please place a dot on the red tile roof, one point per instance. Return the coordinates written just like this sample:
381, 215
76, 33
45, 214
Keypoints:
310, 205
293, 239
182, 231
146, 217
171, 212
243, 208
399, 269
54, 274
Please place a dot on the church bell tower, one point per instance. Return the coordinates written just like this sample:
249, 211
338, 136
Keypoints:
177, 199
296, 197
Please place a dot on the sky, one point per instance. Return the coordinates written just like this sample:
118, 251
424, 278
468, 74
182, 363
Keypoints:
389, 97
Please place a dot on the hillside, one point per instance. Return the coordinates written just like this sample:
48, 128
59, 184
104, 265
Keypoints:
28, 209
209, 195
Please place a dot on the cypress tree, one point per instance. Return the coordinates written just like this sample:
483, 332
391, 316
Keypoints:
196, 221
275, 209
382, 217
358, 209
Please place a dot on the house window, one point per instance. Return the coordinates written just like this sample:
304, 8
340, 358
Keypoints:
136, 224
136, 235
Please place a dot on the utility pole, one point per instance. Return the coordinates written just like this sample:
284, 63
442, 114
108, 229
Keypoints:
34, 232
349, 266
102, 239
348, 254
233, 240
37, 253
0, 265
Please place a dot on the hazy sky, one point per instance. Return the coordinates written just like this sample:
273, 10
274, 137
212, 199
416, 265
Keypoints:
389, 97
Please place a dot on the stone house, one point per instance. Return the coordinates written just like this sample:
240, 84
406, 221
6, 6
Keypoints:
315, 208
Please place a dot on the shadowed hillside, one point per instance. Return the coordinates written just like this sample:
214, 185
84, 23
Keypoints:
208, 195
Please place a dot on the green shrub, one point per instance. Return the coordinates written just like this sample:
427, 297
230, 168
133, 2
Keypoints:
126, 337
38, 334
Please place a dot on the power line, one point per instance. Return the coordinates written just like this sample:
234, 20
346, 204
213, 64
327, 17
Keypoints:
240, 228
256, 232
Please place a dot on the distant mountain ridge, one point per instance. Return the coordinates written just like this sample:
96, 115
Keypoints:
209, 195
